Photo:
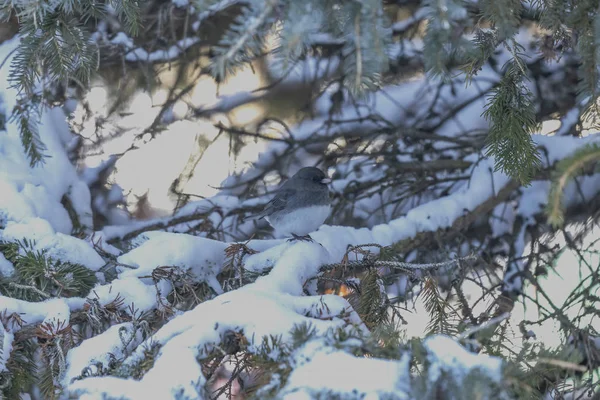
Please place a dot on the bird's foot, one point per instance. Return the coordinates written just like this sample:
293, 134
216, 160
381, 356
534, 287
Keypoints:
305, 238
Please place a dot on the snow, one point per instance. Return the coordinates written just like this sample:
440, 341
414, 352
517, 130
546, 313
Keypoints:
55, 245
321, 368
447, 356
266, 258
181, 3
71, 249
222, 203
101, 349
22, 214
163, 55
228, 102
138, 54
6, 345
276, 302
568, 121
52, 212
122, 39
95, 388
31, 228
202, 257
132, 291
80, 196
212, 10
396, 105
257, 312
571, 272
52, 310
503, 218
294, 267
12, 206
304, 70
439, 213
6, 267
289, 262
30, 208
58, 315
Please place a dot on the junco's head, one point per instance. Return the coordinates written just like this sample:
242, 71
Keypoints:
311, 174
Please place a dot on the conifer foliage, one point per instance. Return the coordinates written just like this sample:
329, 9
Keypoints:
462, 142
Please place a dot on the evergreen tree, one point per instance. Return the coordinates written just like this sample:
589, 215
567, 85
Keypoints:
432, 117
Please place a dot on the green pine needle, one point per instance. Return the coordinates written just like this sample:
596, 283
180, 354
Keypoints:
55, 47
38, 276
504, 14
129, 11
371, 301
436, 306
22, 368
484, 44
27, 116
511, 113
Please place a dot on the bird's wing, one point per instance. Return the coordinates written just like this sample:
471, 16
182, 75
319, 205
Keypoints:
278, 202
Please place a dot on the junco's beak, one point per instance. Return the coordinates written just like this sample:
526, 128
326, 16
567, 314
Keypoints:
325, 180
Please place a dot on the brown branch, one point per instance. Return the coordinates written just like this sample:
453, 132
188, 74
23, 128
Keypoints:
425, 239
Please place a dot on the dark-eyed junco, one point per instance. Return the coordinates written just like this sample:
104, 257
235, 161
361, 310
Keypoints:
301, 204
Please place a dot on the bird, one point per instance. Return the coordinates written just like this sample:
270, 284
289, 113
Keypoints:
300, 205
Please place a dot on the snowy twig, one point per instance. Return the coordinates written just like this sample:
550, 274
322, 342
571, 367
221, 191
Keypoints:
483, 326
29, 287
366, 262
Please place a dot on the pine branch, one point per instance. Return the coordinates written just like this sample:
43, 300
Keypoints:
505, 16
38, 277
54, 48
21, 287
484, 45
27, 114
368, 50
129, 11
22, 369
511, 113
436, 307
399, 265
588, 47
564, 173
441, 41
371, 300
243, 41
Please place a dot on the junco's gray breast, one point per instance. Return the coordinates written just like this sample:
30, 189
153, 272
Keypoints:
301, 205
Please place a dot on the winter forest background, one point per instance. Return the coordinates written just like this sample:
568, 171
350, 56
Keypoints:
460, 261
